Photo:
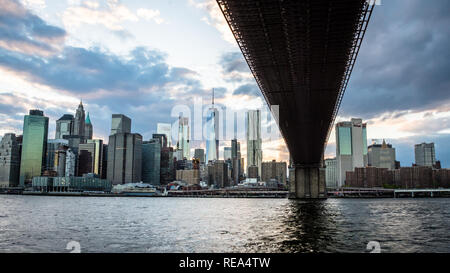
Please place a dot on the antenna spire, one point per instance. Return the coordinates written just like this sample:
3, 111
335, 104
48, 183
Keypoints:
213, 97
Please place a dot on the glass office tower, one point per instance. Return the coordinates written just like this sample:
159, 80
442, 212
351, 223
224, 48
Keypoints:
254, 141
351, 147
151, 162
34, 146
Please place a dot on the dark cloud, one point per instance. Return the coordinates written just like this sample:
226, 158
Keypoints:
404, 60
233, 61
249, 89
25, 32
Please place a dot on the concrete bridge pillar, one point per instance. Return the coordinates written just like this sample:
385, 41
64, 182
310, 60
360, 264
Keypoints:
306, 182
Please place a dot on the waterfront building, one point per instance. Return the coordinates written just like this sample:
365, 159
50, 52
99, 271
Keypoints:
79, 121
235, 170
71, 184
331, 176
151, 161
120, 124
184, 137
166, 129
218, 174
64, 126
274, 170
191, 177
88, 130
425, 154
124, 158
351, 147
226, 153
34, 146
9, 161
200, 155
381, 156
167, 171
254, 142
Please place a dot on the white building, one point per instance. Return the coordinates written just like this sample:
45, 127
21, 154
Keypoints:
331, 176
254, 151
351, 147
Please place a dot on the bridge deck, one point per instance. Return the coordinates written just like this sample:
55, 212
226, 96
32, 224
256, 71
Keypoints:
301, 54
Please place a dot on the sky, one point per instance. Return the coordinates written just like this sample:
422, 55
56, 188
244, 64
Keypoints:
150, 60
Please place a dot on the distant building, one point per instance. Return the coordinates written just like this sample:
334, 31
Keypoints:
167, 171
191, 177
331, 177
151, 161
166, 129
162, 139
120, 124
88, 130
71, 159
90, 157
34, 146
218, 174
252, 172
212, 132
124, 158
425, 154
64, 126
79, 121
351, 147
226, 153
9, 161
254, 141
200, 155
274, 170
53, 146
381, 156
184, 136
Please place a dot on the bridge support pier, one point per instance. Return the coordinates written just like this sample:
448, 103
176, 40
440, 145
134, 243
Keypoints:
307, 183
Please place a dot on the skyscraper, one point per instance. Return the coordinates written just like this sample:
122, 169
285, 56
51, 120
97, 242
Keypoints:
79, 121
124, 152
90, 157
88, 130
274, 170
254, 151
34, 146
351, 147
9, 161
53, 146
331, 177
162, 139
165, 128
425, 154
120, 124
151, 161
212, 133
200, 155
184, 136
381, 156
64, 126
124, 158
227, 153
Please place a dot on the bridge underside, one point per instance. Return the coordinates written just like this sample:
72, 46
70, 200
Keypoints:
301, 54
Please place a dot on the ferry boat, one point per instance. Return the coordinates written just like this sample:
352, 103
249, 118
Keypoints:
136, 189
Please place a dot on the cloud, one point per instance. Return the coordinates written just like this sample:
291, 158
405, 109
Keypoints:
249, 89
24, 32
150, 14
216, 18
404, 60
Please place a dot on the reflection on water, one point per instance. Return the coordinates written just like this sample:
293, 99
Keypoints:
47, 224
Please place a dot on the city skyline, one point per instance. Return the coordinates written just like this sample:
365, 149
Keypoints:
404, 113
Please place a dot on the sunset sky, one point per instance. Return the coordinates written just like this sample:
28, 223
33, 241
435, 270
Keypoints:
143, 58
